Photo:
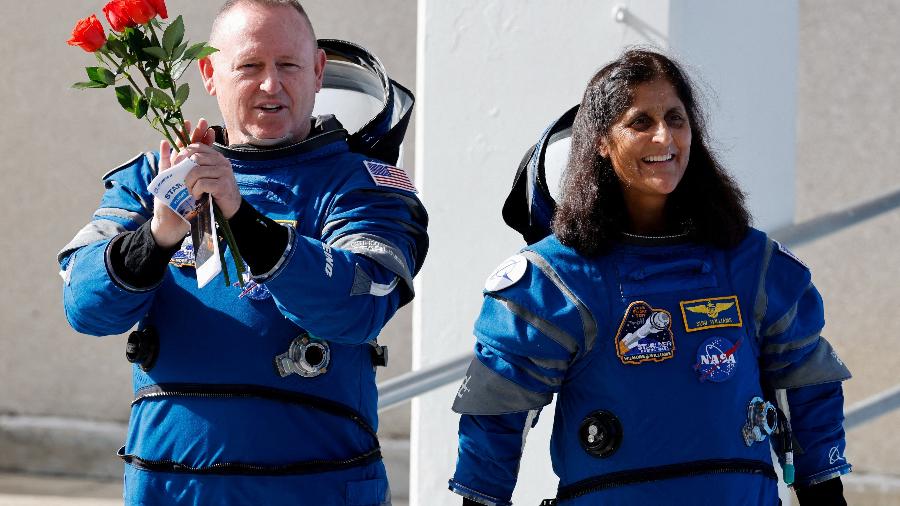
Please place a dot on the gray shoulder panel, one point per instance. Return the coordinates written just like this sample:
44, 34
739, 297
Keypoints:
762, 300
96, 230
379, 250
484, 392
822, 366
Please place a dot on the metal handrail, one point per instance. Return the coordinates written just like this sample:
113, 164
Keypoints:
412, 384
406, 386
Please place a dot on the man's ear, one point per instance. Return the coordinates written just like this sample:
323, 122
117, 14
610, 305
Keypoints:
206, 73
320, 68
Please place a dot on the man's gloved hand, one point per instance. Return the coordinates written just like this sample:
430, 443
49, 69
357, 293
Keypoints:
827, 493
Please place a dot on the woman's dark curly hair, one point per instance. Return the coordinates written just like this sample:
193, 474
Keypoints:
592, 215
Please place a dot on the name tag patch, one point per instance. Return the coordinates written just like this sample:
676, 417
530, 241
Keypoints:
645, 335
712, 313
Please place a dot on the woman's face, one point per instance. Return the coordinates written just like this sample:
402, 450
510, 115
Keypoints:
650, 143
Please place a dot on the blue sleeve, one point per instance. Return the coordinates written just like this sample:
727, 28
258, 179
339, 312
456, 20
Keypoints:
528, 335
817, 421
96, 302
345, 286
489, 452
794, 357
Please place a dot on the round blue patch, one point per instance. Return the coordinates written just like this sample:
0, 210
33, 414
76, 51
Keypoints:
716, 359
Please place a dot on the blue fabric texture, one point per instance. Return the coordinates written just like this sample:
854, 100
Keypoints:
686, 337
220, 337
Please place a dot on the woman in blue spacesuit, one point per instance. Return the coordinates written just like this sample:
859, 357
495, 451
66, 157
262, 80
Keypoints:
679, 340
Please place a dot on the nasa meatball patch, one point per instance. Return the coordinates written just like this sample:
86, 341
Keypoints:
716, 359
645, 335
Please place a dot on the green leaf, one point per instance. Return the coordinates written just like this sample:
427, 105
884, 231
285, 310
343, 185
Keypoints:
206, 51
117, 47
162, 80
199, 50
179, 69
159, 99
173, 35
176, 54
156, 52
101, 75
140, 107
88, 84
182, 94
125, 96
194, 50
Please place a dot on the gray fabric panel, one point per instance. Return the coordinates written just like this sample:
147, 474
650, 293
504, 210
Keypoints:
377, 249
783, 323
589, 324
547, 380
115, 212
821, 366
332, 225
762, 300
774, 349
544, 326
484, 392
96, 230
362, 283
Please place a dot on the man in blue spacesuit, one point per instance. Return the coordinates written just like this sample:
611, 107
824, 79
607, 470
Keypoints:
264, 393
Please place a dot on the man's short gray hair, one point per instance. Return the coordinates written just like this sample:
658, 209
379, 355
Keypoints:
230, 4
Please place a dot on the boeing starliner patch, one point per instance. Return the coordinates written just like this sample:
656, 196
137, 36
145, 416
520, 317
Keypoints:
511, 270
715, 359
388, 175
645, 335
712, 313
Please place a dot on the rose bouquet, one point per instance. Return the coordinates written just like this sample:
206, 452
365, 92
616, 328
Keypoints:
143, 58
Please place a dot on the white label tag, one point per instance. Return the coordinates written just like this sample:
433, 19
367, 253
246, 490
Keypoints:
169, 187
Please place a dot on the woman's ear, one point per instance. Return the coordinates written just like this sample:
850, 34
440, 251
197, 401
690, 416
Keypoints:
603, 147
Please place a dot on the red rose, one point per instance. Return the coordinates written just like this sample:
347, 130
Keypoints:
117, 15
140, 11
88, 34
160, 6
124, 13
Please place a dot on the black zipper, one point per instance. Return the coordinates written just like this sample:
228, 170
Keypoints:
648, 474
193, 390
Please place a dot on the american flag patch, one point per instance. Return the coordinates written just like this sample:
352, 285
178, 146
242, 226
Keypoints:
387, 175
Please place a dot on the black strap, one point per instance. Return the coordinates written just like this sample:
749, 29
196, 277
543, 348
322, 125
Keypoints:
219, 391
648, 474
243, 468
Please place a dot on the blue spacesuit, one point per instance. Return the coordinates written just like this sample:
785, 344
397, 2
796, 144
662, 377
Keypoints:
667, 358
262, 394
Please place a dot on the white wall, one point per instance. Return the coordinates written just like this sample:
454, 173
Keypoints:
491, 75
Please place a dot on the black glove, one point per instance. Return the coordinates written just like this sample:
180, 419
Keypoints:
469, 502
827, 493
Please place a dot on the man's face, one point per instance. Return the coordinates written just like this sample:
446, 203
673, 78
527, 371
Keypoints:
265, 75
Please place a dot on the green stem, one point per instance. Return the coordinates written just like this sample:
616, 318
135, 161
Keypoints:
232, 245
131, 81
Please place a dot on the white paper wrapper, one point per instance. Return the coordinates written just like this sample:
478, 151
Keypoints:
169, 187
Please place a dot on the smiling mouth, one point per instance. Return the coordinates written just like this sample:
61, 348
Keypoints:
270, 108
659, 158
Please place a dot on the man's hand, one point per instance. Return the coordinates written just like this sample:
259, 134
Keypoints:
166, 226
212, 175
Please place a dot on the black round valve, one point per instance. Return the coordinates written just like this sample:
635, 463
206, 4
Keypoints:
600, 434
